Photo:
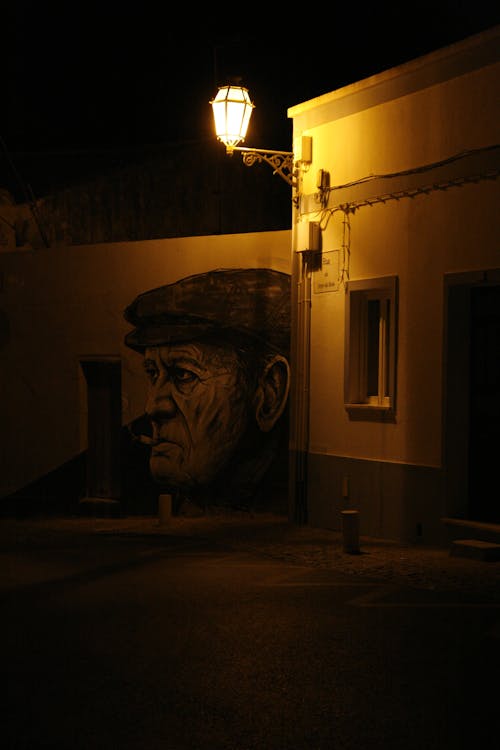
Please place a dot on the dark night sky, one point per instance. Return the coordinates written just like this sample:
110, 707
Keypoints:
85, 81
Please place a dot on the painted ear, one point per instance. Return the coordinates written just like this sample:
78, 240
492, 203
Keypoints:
272, 392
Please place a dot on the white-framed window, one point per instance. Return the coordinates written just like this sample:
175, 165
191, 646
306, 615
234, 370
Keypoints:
370, 346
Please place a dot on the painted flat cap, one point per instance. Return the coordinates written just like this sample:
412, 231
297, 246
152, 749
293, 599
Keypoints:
253, 302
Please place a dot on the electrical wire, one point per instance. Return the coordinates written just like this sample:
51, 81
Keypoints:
414, 170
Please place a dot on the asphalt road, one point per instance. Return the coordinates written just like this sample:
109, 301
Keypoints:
189, 642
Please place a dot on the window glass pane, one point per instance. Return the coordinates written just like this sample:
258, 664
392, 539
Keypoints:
370, 366
373, 310
387, 346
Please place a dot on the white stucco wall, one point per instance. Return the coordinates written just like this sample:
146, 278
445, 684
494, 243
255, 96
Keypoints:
428, 111
60, 304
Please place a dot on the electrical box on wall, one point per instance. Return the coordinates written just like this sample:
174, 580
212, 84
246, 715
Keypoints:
306, 149
308, 236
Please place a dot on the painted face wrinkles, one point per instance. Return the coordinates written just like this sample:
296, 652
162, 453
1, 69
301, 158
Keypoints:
197, 403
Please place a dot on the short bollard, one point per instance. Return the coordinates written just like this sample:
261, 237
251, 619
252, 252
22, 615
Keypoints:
164, 509
350, 531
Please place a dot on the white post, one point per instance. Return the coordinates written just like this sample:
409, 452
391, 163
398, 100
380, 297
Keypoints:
350, 531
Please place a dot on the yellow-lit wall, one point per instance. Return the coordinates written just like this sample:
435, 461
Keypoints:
427, 111
61, 304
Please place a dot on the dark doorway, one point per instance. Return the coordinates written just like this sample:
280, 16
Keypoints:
103, 376
484, 422
472, 396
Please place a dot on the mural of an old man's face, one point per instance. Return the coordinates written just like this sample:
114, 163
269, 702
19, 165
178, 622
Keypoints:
197, 403
218, 377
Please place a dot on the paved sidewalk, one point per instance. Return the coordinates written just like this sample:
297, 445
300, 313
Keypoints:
274, 537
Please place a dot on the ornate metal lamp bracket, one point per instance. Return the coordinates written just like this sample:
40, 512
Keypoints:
280, 161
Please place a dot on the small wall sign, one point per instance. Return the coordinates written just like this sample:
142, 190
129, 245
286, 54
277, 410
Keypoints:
327, 278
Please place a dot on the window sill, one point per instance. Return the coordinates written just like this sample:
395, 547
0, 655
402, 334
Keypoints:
370, 412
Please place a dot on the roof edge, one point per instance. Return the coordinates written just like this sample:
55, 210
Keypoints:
456, 59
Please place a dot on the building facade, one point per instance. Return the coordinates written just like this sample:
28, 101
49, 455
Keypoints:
396, 286
394, 260
71, 261
71, 388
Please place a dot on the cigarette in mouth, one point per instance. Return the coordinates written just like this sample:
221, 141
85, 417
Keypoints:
143, 439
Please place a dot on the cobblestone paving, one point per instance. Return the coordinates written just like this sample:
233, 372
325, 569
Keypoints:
275, 538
